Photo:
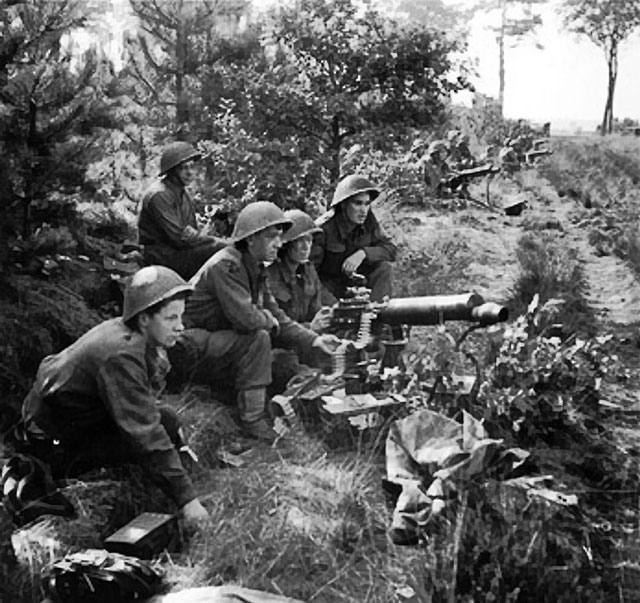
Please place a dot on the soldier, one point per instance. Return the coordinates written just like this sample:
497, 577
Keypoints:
232, 315
508, 157
352, 242
167, 223
460, 155
297, 289
435, 169
94, 403
294, 281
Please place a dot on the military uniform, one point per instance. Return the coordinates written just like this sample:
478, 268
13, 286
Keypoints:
94, 404
227, 323
167, 228
297, 293
338, 240
508, 159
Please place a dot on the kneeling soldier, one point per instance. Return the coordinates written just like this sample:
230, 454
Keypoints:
232, 315
297, 289
353, 242
94, 403
167, 223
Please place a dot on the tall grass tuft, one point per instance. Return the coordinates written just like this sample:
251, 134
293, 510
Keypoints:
553, 271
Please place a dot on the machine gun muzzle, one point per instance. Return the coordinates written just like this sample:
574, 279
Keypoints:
436, 309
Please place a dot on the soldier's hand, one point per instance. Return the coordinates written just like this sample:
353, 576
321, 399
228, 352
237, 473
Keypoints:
273, 321
322, 319
194, 515
352, 263
327, 343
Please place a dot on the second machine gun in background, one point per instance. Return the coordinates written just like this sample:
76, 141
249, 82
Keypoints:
376, 330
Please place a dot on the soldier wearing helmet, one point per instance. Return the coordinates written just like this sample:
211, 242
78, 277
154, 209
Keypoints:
353, 243
294, 281
167, 223
435, 168
297, 289
95, 402
508, 157
232, 315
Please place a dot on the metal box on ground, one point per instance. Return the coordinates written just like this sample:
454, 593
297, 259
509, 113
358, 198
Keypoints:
145, 536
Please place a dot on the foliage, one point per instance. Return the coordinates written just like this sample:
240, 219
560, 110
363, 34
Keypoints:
177, 38
551, 270
538, 380
433, 13
350, 69
37, 318
607, 23
48, 103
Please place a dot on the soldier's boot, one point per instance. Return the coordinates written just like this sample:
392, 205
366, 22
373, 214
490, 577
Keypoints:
253, 417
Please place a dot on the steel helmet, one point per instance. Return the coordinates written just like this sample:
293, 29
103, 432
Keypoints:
302, 224
436, 146
256, 217
149, 286
352, 185
176, 153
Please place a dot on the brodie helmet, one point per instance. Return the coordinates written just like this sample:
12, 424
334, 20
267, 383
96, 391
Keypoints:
149, 286
176, 153
436, 146
256, 217
352, 185
302, 224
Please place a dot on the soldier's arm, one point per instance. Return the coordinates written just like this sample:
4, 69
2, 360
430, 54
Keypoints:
124, 387
291, 333
176, 233
381, 248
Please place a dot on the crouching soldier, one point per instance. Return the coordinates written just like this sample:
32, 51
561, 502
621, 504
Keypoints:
94, 403
232, 315
167, 225
297, 289
352, 242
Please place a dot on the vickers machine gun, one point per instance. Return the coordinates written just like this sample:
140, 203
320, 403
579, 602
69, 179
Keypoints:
379, 329
465, 176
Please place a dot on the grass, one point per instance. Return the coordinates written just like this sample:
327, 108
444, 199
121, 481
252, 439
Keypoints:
309, 522
553, 271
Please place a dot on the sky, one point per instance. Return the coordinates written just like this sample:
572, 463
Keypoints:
564, 83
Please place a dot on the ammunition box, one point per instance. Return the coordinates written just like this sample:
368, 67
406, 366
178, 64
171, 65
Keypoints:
146, 536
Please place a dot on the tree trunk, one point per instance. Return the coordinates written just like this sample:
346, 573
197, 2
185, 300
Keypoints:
612, 65
501, 72
334, 148
182, 108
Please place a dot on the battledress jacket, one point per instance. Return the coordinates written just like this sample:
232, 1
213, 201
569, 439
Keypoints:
105, 377
167, 221
340, 238
297, 293
231, 292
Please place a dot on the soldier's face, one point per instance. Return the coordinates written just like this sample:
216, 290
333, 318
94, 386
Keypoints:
164, 327
186, 172
300, 249
264, 245
357, 207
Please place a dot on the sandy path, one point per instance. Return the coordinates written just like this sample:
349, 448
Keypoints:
491, 237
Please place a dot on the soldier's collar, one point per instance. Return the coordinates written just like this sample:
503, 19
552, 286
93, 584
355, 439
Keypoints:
346, 226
